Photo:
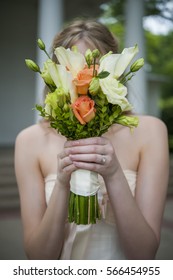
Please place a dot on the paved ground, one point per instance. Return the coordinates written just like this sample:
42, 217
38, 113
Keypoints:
11, 247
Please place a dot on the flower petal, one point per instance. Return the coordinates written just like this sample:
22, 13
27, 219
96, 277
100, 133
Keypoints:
62, 78
124, 60
116, 64
77, 115
115, 92
73, 61
108, 63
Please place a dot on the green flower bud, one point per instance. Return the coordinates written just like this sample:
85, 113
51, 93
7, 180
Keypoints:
88, 57
32, 65
137, 65
61, 97
130, 121
41, 44
74, 49
94, 86
66, 107
95, 53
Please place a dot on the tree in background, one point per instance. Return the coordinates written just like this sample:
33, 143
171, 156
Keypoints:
161, 8
159, 48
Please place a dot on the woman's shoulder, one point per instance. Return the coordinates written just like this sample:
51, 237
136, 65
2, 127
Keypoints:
149, 123
151, 129
29, 131
32, 134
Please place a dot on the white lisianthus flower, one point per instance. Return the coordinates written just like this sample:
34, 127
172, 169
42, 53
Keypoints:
45, 73
58, 74
116, 64
73, 61
108, 64
62, 79
115, 92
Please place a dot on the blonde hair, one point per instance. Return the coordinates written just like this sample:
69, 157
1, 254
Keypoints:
93, 33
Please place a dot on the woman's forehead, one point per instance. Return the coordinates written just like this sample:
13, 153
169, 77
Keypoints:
82, 46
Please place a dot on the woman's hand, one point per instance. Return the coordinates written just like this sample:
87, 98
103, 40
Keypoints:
94, 154
65, 168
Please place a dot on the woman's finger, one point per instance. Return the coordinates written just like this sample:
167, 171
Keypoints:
87, 142
64, 161
92, 158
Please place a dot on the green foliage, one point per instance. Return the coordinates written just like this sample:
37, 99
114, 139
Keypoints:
115, 8
159, 53
106, 114
160, 57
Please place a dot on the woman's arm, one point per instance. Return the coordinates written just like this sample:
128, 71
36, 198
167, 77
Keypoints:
43, 226
138, 219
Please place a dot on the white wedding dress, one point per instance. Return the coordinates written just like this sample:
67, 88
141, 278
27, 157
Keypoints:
94, 241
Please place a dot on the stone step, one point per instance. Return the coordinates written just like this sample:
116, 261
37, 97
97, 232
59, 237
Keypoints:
9, 195
6, 160
5, 172
9, 191
8, 203
7, 179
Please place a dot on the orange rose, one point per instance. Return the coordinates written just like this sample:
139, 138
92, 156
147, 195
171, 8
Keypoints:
83, 79
83, 109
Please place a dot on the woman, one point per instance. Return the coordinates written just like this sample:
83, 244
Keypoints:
134, 172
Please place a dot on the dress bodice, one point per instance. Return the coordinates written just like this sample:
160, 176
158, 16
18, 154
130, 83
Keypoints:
93, 241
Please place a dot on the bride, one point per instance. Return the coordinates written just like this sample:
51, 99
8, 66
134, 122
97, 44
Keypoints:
133, 173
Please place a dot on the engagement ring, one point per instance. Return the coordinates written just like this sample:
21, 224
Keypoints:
103, 160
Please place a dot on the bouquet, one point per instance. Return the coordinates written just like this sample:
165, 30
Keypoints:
86, 95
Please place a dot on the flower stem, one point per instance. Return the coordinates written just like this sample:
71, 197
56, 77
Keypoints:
94, 68
83, 209
123, 79
47, 54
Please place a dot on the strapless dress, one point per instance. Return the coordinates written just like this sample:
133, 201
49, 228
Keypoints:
93, 241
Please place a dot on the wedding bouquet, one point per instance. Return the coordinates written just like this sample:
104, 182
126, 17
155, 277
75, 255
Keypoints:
86, 95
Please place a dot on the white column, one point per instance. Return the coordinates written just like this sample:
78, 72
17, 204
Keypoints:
50, 21
134, 10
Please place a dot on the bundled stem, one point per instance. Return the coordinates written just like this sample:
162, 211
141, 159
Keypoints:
83, 209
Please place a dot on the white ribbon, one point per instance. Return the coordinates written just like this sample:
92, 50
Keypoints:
84, 182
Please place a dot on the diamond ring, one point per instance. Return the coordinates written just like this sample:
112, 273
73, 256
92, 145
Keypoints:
103, 160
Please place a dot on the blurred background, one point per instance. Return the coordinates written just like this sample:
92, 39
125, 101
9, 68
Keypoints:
147, 23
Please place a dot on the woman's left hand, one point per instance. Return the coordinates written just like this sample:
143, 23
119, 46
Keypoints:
94, 154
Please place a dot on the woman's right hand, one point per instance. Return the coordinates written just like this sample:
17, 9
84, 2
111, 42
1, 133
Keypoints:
65, 167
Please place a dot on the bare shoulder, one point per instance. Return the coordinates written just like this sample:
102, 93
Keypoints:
151, 134
151, 126
151, 121
29, 133
31, 138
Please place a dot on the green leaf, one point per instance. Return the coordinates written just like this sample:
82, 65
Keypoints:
103, 74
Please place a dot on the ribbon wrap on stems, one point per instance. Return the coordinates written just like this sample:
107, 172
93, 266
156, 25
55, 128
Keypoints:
83, 201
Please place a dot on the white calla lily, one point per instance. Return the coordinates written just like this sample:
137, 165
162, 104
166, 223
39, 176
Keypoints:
115, 92
73, 61
116, 64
